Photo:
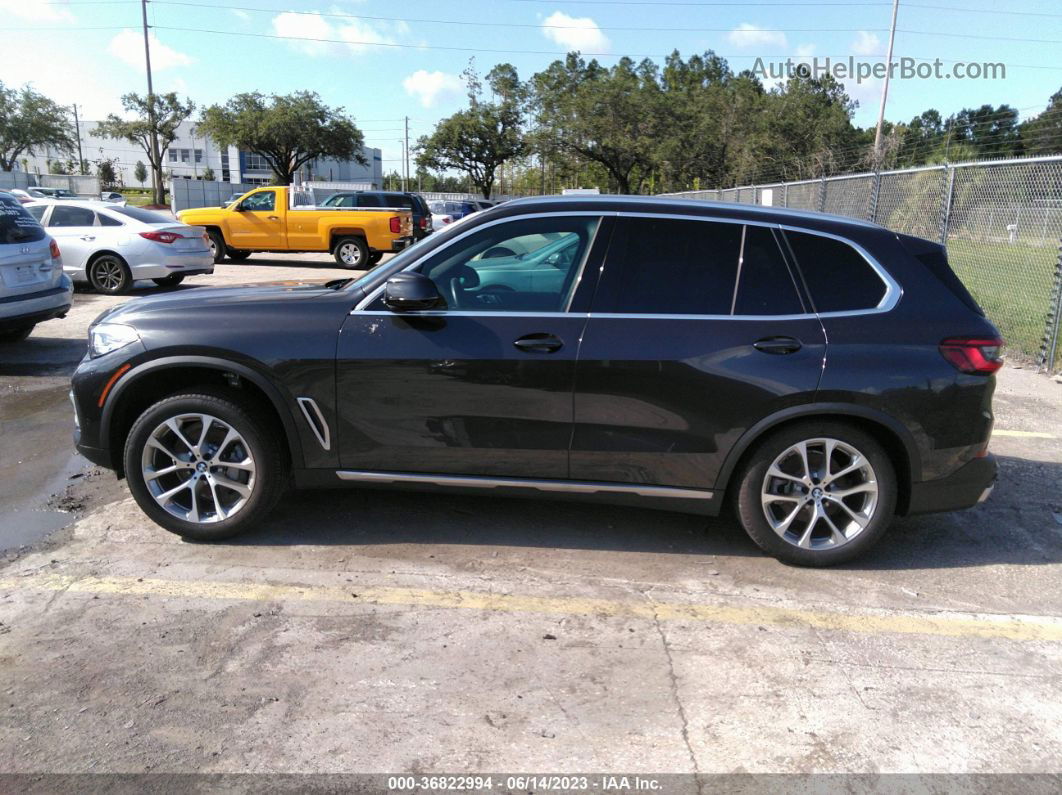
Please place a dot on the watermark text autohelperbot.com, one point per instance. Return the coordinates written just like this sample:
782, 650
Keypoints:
851, 68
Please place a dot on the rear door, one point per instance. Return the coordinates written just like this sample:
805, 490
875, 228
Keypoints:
697, 331
75, 230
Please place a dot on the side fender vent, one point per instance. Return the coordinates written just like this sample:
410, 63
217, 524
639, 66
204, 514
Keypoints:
315, 419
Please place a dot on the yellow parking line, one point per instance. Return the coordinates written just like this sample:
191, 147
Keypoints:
1025, 434
982, 625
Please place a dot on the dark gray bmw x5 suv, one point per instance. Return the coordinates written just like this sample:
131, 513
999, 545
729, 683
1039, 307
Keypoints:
819, 375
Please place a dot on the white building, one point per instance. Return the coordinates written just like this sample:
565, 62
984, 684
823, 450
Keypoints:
190, 155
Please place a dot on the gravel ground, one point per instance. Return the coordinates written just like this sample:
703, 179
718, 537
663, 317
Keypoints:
365, 631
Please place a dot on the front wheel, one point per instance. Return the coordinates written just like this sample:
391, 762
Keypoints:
108, 274
202, 466
216, 243
817, 493
351, 252
170, 281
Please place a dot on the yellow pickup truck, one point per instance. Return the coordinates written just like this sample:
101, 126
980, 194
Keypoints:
286, 219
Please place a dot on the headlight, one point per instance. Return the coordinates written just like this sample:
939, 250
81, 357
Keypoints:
107, 337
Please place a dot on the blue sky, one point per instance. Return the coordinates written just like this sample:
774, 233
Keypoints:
92, 52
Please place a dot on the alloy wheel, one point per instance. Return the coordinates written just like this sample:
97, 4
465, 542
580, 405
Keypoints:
108, 273
819, 493
198, 468
350, 254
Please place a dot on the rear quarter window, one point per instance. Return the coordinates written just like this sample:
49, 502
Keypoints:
16, 224
838, 277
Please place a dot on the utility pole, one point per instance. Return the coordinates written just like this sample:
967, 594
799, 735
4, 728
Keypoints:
405, 160
885, 85
156, 165
80, 157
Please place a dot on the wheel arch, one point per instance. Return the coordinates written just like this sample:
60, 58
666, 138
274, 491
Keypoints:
897, 441
151, 381
337, 234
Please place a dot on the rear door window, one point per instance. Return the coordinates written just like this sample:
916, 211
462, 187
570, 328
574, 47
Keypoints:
71, 216
838, 277
765, 285
369, 200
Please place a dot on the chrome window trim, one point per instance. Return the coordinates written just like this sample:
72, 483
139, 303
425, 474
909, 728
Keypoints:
600, 216
468, 313
324, 436
559, 486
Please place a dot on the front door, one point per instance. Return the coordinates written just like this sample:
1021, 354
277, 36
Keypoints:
483, 384
258, 223
697, 331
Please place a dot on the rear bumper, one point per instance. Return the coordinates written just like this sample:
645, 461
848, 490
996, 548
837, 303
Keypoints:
401, 243
24, 310
965, 487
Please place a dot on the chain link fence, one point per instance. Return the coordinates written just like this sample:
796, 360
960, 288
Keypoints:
1000, 219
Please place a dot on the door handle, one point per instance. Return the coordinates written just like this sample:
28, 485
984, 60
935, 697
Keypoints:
273, 217
539, 343
777, 345
88, 237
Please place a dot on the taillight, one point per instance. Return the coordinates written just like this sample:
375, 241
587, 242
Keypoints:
396, 225
973, 355
54, 249
161, 237
423, 224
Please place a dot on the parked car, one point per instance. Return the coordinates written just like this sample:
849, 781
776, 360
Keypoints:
273, 219
38, 192
439, 220
21, 195
110, 247
33, 287
422, 216
455, 209
113, 197
817, 373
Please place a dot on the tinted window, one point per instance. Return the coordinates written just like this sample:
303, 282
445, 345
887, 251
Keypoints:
838, 277
765, 285
106, 220
38, 211
71, 216
260, 202
527, 265
16, 224
369, 200
399, 200
674, 267
144, 216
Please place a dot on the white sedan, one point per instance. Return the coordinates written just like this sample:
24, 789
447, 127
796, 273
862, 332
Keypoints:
110, 246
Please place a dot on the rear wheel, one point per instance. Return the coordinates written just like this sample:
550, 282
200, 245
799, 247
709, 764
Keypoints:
351, 252
202, 466
108, 274
238, 254
170, 281
16, 334
217, 245
817, 493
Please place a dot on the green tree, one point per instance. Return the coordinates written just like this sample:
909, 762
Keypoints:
153, 127
29, 123
208, 174
288, 131
107, 173
1042, 135
604, 116
478, 140
140, 172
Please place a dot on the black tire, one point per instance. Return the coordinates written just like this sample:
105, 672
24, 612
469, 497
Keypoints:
170, 281
375, 257
108, 274
752, 512
217, 245
352, 253
16, 334
269, 478
238, 254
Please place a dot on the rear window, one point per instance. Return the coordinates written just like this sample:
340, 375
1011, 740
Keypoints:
838, 277
399, 200
144, 216
16, 224
369, 200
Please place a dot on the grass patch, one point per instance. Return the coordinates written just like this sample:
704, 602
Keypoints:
1013, 285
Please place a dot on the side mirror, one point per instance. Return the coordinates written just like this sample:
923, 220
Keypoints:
407, 292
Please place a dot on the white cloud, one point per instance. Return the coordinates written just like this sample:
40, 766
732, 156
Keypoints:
240, 14
36, 11
748, 35
575, 33
866, 44
128, 46
433, 87
323, 38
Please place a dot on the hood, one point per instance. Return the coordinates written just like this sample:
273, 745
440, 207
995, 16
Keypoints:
200, 301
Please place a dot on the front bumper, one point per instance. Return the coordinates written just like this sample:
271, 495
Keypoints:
967, 486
